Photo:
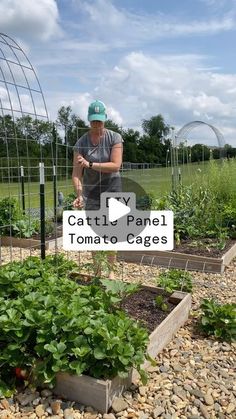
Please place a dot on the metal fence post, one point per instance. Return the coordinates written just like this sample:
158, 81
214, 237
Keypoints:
42, 210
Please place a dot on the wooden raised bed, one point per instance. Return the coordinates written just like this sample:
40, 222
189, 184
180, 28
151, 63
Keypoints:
29, 243
100, 393
180, 260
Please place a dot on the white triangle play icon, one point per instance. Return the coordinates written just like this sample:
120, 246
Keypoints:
117, 210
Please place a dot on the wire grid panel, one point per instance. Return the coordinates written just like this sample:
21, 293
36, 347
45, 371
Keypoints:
23, 114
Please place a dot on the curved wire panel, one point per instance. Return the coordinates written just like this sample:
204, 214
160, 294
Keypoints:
25, 140
185, 130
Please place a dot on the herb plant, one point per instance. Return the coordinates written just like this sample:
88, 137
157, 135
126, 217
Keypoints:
175, 279
218, 320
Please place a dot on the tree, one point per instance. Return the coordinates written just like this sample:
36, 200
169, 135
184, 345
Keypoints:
200, 152
153, 145
131, 141
155, 127
109, 124
64, 120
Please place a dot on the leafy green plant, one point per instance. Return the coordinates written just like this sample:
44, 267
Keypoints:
144, 202
59, 264
175, 279
118, 290
101, 264
49, 227
159, 300
218, 320
25, 228
48, 324
10, 213
206, 208
68, 201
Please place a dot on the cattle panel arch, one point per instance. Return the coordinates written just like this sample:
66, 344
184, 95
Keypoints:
184, 131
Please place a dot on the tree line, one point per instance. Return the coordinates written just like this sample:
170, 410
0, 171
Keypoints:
27, 140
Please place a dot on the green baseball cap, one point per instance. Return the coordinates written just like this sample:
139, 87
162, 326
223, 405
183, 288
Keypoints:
97, 111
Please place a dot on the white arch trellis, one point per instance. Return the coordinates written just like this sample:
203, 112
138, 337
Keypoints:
185, 130
181, 135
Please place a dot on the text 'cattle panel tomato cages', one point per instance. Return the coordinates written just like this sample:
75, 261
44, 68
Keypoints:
100, 393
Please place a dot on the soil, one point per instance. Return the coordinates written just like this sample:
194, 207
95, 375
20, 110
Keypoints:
203, 247
141, 306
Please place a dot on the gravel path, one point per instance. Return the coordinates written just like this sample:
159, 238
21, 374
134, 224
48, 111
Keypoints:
194, 377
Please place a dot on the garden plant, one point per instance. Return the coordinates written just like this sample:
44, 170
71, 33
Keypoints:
50, 324
206, 209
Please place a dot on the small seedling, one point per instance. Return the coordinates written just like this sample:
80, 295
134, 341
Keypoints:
159, 300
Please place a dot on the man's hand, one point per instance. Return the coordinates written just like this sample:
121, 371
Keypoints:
78, 202
83, 162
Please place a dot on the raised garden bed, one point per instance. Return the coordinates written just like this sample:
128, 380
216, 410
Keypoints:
51, 242
182, 260
101, 393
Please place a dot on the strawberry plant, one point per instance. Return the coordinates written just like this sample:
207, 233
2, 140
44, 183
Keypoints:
218, 320
48, 324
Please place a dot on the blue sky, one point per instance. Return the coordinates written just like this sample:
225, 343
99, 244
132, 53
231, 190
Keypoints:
140, 57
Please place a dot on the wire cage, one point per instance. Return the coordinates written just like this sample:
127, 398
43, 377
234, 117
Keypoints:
24, 132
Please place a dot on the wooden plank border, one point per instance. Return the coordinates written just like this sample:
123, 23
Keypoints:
29, 243
180, 260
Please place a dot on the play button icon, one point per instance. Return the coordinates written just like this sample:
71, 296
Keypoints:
117, 210
115, 207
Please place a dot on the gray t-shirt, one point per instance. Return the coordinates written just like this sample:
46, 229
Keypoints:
94, 183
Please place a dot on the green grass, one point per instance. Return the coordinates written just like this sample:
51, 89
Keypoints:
157, 181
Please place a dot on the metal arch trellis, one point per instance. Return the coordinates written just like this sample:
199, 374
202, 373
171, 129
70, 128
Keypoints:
184, 131
20, 96
182, 134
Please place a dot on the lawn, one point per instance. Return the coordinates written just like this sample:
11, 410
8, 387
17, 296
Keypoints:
157, 181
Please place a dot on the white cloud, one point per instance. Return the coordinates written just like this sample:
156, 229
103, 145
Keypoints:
142, 86
29, 19
129, 28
